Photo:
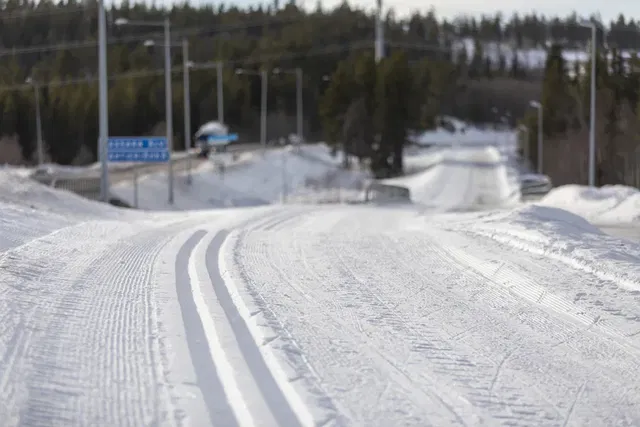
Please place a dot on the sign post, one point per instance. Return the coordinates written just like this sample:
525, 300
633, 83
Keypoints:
153, 149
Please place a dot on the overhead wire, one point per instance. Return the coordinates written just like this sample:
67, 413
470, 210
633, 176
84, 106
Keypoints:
200, 66
175, 33
47, 10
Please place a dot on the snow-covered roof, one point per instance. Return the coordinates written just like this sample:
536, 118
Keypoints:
212, 128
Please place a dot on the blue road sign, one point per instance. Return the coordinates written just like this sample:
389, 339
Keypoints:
220, 139
138, 149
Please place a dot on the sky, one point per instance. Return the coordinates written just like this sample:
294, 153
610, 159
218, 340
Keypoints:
452, 8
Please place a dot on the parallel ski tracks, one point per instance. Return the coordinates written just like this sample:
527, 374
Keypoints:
241, 385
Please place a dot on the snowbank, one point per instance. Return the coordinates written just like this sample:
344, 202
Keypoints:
29, 210
252, 179
88, 171
605, 205
507, 140
463, 179
559, 234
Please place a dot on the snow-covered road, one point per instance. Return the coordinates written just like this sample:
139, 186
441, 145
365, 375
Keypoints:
407, 327
347, 315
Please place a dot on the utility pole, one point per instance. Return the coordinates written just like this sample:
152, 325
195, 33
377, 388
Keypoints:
220, 91
299, 115
168, 102
103, 103
187, 105
379, 41
592, 113
263, 109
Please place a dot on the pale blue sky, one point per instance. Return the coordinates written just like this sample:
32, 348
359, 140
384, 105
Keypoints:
448, 8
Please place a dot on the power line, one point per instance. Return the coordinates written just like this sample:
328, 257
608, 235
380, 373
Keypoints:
178, 69
191, 32
55, 10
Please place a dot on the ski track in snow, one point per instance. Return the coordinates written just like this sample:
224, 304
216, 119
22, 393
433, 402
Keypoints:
300, 316
82, 337
403, 327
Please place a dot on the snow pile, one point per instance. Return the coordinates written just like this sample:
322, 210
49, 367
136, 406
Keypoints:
605, 205
421, 159
29, 210
558, 234
251, 179
212, 128
463, 179
470, 137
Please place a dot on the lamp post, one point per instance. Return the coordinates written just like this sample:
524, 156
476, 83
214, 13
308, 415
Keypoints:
538, 106
167, 82
592, 114
186, 65
525, 146
218, 65
263, 103
299, 111
220, 90
40, 144
103, 102
187, 105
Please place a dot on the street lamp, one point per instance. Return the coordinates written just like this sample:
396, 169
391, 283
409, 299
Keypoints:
40, 144
263, 103
538, 106
103, 102
592, 120
525, 145
167, 82
299, 116
218, 65
186, 64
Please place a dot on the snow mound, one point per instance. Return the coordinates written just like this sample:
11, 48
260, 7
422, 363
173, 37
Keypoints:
29, 210
507, 140
605, 205
534, 219
212, 128
559, 234
251, 179
25, 193
463, 179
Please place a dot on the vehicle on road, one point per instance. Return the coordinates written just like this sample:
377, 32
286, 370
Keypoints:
212, 136
535, 184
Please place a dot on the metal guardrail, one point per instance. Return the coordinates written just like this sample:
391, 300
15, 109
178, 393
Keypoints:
87, 183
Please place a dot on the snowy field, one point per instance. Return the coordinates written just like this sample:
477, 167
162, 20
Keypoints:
308, 315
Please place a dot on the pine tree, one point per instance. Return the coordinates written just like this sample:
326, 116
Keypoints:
336, 101
393, 115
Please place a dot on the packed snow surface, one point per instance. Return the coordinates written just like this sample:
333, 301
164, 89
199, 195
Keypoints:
462, 178
602, 205
313, 315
